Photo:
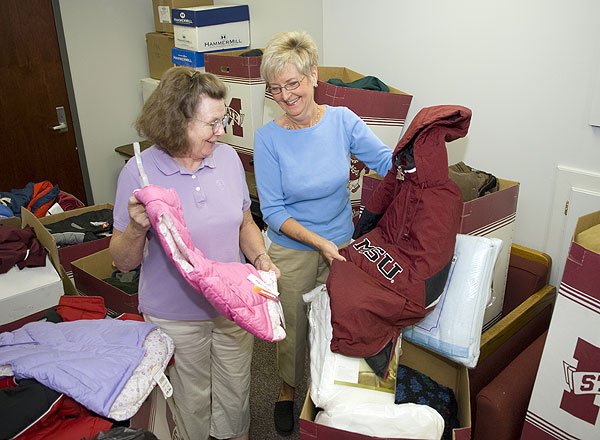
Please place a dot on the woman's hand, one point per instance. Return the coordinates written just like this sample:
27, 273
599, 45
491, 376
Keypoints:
330, 251
139, 220
263, 262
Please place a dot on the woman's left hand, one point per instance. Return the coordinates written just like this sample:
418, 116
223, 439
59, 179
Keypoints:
263, 262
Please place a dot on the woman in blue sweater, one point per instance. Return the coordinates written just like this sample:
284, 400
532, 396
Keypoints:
302, 166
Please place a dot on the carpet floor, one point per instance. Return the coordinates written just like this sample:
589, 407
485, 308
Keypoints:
264, 389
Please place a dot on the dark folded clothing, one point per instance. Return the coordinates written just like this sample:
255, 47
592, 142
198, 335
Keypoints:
88, 226
415, 387
473, 183
364, 83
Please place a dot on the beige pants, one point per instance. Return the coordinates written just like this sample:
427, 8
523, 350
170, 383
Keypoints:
301, 271
210, 376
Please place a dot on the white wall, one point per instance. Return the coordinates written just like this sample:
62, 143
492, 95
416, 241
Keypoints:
268, 17
106, 47
526, 69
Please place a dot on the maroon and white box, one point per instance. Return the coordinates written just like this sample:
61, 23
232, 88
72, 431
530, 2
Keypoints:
565, 402
245, 99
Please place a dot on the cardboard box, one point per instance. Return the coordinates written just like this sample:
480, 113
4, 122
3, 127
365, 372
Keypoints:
438, 368
384, 113
32, 290
245, 95
189, 58
159, 47
491, 216
565, 402
163, 11
75, 251
205, 28
89, 273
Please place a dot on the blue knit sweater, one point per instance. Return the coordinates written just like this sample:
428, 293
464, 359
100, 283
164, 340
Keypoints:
303, 174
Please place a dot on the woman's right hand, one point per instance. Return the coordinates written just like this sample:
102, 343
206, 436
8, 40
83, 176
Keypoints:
139, 220
330, 251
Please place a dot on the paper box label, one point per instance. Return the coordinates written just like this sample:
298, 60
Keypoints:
211, 38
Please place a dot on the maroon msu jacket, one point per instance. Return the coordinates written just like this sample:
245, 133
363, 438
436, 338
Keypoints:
404, 241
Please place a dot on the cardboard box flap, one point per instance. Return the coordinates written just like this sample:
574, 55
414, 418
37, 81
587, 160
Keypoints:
586, 222
99, 264
211, 15
49, 219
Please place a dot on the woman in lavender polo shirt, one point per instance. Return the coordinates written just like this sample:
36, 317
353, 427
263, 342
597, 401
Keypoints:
184, 117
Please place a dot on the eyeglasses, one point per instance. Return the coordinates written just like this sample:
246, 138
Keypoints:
294, 84
217, 124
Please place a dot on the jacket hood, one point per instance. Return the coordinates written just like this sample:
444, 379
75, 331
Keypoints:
423, 145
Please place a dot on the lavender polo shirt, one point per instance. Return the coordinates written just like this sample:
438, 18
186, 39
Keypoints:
213, 199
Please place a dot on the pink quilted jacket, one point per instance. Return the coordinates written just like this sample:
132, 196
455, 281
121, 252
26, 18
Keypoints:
236, 290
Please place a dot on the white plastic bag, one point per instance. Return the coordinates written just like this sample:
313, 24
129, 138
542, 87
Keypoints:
453, 328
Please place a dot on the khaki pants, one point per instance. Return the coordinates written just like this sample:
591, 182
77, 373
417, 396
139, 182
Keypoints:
210, 376
301, 271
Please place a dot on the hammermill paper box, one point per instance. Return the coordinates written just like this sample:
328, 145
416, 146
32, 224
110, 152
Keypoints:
209, 28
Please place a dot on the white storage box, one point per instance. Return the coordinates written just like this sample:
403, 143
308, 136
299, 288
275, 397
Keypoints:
209, 28
32, 289
28, 290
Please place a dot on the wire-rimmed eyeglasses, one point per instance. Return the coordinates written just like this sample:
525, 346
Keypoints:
216, 125
294, 84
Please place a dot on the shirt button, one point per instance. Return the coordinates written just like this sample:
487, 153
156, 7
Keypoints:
193, 176
197, 188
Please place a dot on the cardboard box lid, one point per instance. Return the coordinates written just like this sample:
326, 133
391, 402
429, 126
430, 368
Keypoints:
212, 15
49, 219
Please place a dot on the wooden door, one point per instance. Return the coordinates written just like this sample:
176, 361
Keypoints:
32, 86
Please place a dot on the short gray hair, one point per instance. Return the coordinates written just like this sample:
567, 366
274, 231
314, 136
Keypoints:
297, 48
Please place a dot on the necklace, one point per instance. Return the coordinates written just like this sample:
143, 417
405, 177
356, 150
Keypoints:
290, 124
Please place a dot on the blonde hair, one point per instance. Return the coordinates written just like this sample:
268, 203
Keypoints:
170, 108
297, 48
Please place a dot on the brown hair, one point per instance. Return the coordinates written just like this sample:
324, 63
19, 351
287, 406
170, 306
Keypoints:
170, 108
297, 48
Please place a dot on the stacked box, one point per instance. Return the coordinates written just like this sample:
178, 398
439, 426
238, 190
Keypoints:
159, 47
245, 99
206, 28
190, 58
